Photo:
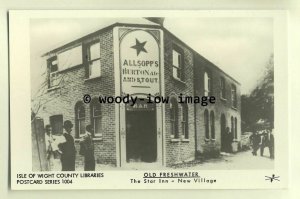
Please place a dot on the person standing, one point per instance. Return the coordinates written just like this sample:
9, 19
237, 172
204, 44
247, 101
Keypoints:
255, 141
53, 152
228, 140
87, 149
268, 141
264, 142
271, 143
49, 141
68, 148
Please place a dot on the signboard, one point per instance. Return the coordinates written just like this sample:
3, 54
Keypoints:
140, 61
141, 105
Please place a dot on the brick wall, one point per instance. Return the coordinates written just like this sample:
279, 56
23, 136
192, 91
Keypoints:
74, 86
178, 150
209, 146
72, 89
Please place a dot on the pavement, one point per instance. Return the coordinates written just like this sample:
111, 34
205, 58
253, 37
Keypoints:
238, 161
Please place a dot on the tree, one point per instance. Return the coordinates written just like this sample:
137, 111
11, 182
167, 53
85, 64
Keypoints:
259, 104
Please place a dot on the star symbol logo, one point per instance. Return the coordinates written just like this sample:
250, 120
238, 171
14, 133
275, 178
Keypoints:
139, 46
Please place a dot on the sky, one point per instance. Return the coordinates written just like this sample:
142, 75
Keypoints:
241, 47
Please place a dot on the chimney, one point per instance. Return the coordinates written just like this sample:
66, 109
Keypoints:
157, 20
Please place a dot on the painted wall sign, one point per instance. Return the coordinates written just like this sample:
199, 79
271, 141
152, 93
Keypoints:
141, 105
140, 61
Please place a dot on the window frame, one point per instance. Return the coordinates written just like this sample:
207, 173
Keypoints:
78, 120
174, 118
185, 121
232, 127
233, 96
212, 126
206, 124
180, 67
207, 80
90, 61
223, 88
53, 119
52, 73
94, 103
235, 129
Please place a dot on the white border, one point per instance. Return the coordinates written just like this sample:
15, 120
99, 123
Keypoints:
20, 103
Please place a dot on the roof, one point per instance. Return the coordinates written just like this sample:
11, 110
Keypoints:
79, 40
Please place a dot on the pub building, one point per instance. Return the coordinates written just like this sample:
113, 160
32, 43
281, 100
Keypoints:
137, 60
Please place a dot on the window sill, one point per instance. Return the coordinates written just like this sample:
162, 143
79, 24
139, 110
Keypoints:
97, 138
179, 80
209, 140
235, 140
185, 140
175, 140
92, 78
94, 139
53, 88
223, 99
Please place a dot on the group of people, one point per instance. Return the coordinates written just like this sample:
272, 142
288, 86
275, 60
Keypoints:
261, 140
61, 150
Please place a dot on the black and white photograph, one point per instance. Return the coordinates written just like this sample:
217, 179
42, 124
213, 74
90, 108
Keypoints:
216, 57
154, 99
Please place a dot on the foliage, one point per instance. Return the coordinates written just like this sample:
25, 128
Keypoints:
259, 104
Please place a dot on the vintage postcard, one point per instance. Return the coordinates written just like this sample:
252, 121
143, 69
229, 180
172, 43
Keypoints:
148, 100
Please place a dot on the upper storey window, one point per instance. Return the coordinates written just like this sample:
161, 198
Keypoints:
69, 58
207, 84
52, 68
94, 60
233, 96
177, 64
223, 88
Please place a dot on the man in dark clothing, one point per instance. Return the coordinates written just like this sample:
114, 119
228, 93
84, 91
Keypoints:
228, 140
87, 149
68, 148
255, 141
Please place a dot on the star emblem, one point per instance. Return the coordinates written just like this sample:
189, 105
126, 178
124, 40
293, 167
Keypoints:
139, 47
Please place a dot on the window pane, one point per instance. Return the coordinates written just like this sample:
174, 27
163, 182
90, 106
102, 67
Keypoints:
95, 68
70, 58
56, 122
175, 58
212, 121
96, 110
97, 126
179, 60
54, 80
206, 124
81, 112
81, 127
175, 72
95, 51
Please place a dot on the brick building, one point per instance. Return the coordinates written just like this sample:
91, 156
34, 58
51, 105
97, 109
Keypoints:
140, 60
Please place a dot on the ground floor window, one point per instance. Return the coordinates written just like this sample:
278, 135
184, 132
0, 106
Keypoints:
174, 118
184, 121
212, 125
206, 124
56, 122
79, 119
96, 117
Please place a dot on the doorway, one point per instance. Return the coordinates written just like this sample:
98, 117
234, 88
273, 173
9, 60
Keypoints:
223, 135
141, 136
